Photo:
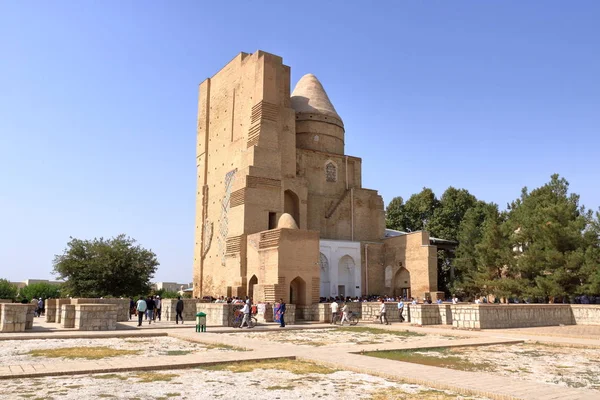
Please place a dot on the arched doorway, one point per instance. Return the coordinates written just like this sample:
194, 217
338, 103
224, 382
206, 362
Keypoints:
298, 291
291, 205
325, 282
346, 276
253, 281
402, 283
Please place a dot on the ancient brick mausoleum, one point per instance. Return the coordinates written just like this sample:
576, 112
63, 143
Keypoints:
281, 210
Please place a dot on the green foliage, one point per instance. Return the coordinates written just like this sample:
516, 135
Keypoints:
44, 290
553, 252
545, 246
450, 212
415, 214
166, 294
7, 290
105, 267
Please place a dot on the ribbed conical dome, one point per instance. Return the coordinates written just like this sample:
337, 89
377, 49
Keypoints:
310, 97
286, 221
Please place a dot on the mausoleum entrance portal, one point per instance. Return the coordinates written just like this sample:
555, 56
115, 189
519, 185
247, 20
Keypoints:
402, 283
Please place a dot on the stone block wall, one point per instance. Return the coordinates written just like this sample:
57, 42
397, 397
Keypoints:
4, 301
30, 316
494, 316
189, 309
445, 311
122, 305
290, 314
59, 304
586, 314
425, 314
96, 317
218, 314
264, 312
370, 311
16, 317
322, 311
67, 316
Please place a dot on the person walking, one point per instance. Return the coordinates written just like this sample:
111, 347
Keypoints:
35, 301
400, 309
150, 308
131, 307
246, 311
179, 310
40, 307
382, 313
344, 314
141, 307
334, 311
281, 313
157, 308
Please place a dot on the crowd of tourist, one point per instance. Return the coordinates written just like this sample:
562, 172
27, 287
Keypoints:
150, 309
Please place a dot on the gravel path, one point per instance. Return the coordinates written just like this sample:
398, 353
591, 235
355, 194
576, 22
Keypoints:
260, 384
336, 337
565, 366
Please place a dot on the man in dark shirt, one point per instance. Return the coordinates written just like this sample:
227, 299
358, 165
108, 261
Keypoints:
179, 310
150, 305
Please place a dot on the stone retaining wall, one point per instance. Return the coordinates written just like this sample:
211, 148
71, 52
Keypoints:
218, 314
67, 316
494, 316
586, 314
189, 309
96, 317
370, 311
425, 314
59, 304
265, 312
53, 309
15, 317
122, 305
223, 314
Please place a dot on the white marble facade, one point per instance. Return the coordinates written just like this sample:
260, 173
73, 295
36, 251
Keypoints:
340, 265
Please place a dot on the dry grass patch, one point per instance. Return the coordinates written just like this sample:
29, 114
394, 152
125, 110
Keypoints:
154, 376
89, 353
435, 357
219, 346
277, 387
177, 352
293, 366
110, 376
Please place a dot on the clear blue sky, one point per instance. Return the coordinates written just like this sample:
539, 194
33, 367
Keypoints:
98, 104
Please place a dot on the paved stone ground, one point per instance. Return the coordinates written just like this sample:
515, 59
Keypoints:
478, 383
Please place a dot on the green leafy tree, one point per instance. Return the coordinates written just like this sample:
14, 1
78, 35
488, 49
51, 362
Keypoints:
7, 290
395, 216
470, 234
553, 253
449, 213
41, 289
419, 210
105, 267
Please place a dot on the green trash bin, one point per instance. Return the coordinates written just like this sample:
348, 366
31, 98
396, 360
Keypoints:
200, 322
